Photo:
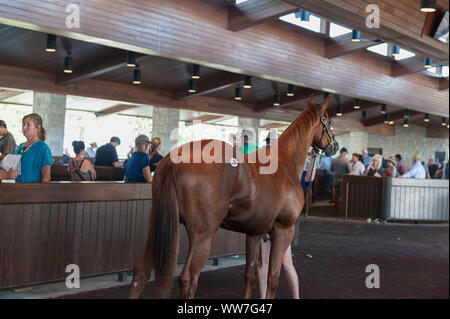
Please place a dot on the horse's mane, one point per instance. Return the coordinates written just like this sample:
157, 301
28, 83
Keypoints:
298, 132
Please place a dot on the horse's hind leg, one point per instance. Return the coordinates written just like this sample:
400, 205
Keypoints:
281, 239
253, 243
200, 246
141, 273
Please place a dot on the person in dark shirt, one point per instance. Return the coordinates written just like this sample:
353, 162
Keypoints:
106, 155
156, 157
137, 168
7, 142
432, 168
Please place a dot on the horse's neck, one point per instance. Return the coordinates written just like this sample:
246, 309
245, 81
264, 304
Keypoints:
294, 143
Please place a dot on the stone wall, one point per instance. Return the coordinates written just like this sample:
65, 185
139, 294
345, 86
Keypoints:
165, 126
406, 141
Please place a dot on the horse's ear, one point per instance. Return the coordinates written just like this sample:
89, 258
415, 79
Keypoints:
324, 104
311, 99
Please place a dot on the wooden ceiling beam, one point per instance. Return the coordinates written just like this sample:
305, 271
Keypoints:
349, 107
443, 84
210, 84
407, 66
300, 94
254, 12
338, 46
4, 94
114, 109
392, 117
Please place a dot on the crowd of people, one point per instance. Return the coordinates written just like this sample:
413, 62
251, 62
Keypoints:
36, 157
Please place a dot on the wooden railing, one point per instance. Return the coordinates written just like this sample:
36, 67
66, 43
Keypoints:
101, 226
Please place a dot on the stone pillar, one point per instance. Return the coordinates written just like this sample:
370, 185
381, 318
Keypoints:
52, 109
246, 123
358, 142
165, 121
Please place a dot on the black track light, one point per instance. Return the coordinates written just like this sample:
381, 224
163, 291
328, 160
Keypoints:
386, 118
428, 62
68, 63
192, 86
356, 36
405, 123
395, 50
427, 5
383, 109
444, 121
276, 100
51, 43
364, 115
339, 112
131, 59
357, 104
195, 72
426, 117
405, 114
137, 75
238, 94
248, 82
290, 91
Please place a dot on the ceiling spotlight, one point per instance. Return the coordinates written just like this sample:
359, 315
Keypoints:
276, 100
303, 15
357, 104
383, 109
405, 114
428, 63
192, 86
137, 75
427, 5
444, 121
391, 122
405, 123
395, 50
426, 118
364, 115
195, 72
51, 43
339, 111
131, 59
248, 82
68, 63
386, 118
356, 36
290, 91
238, 94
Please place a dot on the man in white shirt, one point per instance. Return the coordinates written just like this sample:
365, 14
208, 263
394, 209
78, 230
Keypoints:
92, 149
357, 165
417, 171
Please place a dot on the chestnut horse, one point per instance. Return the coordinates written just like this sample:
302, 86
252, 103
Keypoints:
206, 196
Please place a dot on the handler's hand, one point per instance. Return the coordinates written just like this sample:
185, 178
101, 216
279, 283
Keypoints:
12, 174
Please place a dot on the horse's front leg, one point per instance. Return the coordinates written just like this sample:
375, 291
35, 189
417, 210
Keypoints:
253, 244
281, 239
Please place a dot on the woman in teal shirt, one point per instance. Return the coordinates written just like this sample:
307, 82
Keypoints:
36, 158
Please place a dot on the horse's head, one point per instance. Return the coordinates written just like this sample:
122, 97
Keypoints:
323, 137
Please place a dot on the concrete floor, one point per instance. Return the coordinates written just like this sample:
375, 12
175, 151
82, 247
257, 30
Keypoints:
331, 262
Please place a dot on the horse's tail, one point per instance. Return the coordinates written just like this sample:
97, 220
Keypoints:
164, 223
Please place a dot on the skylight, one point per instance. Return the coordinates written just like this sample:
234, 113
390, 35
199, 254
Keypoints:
338, 30
313, 24
382, 49
240, 1
379, 49
437, 71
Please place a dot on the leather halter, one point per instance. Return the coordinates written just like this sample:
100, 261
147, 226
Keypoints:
333, 145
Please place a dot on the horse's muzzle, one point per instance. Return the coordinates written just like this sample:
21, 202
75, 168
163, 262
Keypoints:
331, 148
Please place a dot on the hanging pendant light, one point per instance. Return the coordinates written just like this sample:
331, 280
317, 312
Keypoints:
405, 123
238, 94
444, 121
276, 100
383, 109
68, 63
405, 114
137, 75
356, 36
290, 91
303, 15
51, 43
386, 118
131, 59
426, 117
192, 86
357, 104
427, 5
364, 115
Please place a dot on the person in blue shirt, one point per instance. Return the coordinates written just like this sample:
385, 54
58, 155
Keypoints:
36, 160
137, 168
366, 158
417, 171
